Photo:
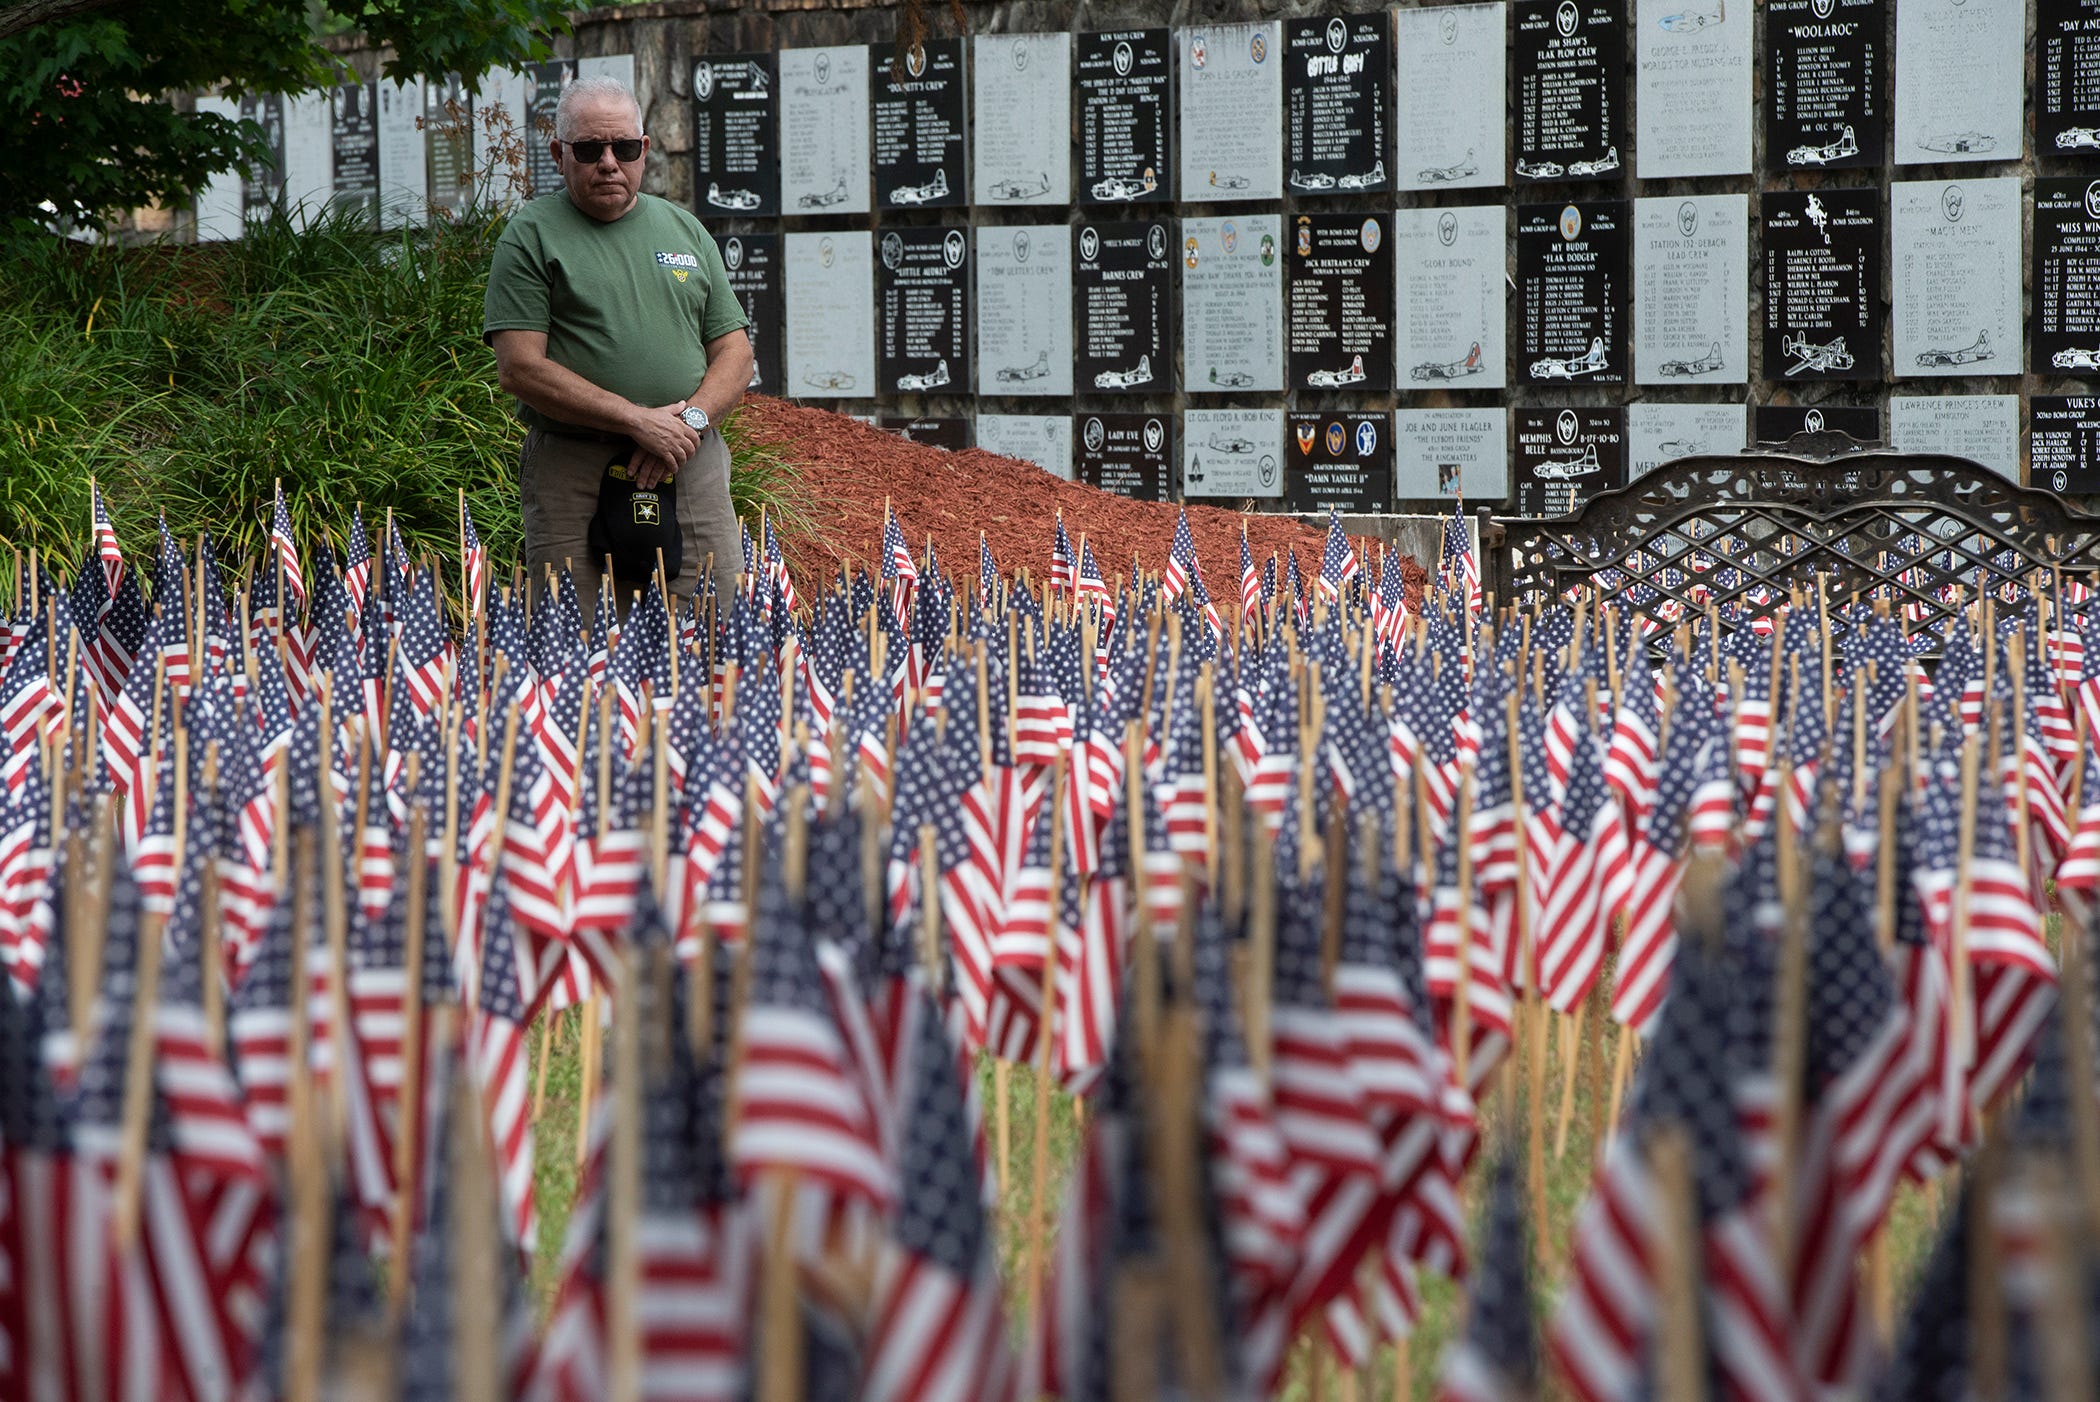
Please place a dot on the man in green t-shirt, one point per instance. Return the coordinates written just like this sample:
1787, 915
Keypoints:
614, 325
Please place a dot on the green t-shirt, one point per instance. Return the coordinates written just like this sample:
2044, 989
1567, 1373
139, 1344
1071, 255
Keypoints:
629, 305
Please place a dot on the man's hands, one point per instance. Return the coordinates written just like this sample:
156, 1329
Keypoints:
662, 441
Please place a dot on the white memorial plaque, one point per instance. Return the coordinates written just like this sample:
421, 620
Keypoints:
1961, 71
617, 66
1691, 290
1449, 301
404, 180
830, 315
309, 154
824, 130
1232, 453
1451, 107
1043, 439
500, 88
1954, 251
1660, 433
1692, 85
219, 201
1451, 452
1024, 309
1023, 119
1983, 428
1231, 112
1232, 304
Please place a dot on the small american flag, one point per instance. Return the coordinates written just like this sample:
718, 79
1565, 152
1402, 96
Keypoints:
476, 557
1459, 568
939, 1312
1181, 559
1338, 564
285, 545
1064, 565
1250, 581
899, 571
1496, 1358
357, 561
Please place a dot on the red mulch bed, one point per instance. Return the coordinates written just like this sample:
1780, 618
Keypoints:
848, 469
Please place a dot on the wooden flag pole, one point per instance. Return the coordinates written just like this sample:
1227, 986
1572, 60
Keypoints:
209, 943
145, 1000
1680, 1346
624, 1195
408, 1146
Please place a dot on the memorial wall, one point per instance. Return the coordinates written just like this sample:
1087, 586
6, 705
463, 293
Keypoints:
1367, 257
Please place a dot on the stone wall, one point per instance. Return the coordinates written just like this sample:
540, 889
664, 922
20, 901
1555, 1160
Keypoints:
666, 37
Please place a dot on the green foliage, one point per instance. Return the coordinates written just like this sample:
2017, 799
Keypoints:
187, 379
85, 127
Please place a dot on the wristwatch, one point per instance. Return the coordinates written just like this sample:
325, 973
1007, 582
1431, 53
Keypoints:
695, 418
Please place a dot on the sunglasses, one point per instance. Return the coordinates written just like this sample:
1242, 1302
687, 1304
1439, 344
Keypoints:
627, 148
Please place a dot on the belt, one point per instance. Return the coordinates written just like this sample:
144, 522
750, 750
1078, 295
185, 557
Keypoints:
588, 435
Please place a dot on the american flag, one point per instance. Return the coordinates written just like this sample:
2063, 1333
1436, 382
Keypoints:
1064, 564
938, 1313
430, 1344
357, 562
1459, 569
1629, 763
1656, 864
28, 908
426, 646
782, 584
1092, 587
1602, 1332
107, 551
987, 568
1181, 559
1496, 1357
1338, 563
1261, 1210
899, 571
1869, 1109
499, 1061
475, 556
1321, 1108
284, 545
1584, 883
1250, 581
801, 1109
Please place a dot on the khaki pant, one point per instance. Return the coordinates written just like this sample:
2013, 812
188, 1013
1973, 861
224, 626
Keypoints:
558, 481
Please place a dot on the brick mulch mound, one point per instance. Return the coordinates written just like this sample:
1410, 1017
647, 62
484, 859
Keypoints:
847, 470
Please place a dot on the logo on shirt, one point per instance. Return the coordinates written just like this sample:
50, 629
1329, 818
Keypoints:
680, 264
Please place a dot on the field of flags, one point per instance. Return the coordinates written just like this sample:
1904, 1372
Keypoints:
1286, 884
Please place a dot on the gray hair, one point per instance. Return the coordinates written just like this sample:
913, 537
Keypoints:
585, 90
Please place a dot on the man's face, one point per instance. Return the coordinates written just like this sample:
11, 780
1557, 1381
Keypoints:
606, 188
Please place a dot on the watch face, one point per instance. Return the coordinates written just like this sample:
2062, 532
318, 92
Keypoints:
696, 419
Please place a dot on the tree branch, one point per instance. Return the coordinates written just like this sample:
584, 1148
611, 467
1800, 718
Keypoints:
31, 14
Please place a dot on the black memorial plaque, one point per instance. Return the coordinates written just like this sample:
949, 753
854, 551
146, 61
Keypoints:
1126, 116
753, 264
1339, 460
1121, 290
1571, 89
922, 288
354, 135
1566, 456
2064, 446
264, 185
1338, 303
1827, 61
1338, 103
917, 101
2067, 89
448, 137
1775, 423
2066, 321
736, 135
952, 434
1823, 307
543, 85
1128, 454
1574, 272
